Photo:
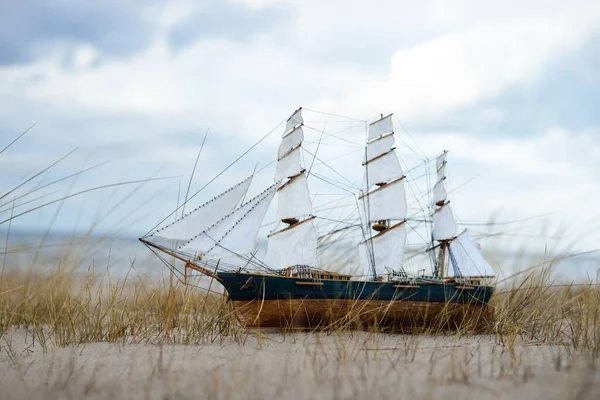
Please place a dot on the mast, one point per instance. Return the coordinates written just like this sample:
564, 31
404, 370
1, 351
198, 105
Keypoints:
444, 226
294, 243
460, 250
383, 200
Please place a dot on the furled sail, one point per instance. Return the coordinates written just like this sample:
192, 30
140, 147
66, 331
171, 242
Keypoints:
207, 214
295, 244
469, 257
236, 232
383, 200
384, 250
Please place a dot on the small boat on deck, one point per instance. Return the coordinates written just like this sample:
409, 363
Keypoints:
286, 288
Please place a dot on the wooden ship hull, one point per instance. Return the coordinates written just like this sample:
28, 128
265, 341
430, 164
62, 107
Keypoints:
268, 301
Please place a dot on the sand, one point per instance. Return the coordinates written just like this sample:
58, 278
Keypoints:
298, 366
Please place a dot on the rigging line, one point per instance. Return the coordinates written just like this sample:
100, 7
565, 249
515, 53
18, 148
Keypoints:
324, 163
331, 194
340, 156
187, 193
336, 145
323, 247
318, 210
317, 164
220, 173
516, 221
410, 186
337, 137
331, 183
369, 246
323, 207
171, 267
335, 134
316, 151
346, 228
17, 138
338, 221
408, 146
268, 165
410, 136
336, 226
415, 230
333, 115
328, 240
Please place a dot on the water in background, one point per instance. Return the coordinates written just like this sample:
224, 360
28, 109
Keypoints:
121, 257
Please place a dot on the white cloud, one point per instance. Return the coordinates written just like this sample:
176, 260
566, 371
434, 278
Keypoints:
463, 67
440, 59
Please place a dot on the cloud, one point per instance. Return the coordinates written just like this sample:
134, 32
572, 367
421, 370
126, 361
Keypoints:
459, 69
28, 30
509, 88
226, 19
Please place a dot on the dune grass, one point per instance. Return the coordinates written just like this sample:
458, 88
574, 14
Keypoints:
64, 308
85, 314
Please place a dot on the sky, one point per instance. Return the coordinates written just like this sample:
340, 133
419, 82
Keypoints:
510, 88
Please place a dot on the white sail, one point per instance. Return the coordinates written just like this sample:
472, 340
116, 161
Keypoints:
381, 127
289, 166
444, 227
385, 249
241, 239
386, 202
294, 198
207, 240
290, 140
382, 169
295, 120
378, 147
441, 160
439, 193
469, 258
441, 173
207, 214
294, 245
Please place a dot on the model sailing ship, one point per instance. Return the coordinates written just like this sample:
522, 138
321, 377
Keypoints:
287, 288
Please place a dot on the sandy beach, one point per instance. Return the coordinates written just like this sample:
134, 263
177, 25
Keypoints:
298, 366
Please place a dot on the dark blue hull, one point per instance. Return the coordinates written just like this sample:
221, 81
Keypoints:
246, 286
286, 302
